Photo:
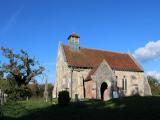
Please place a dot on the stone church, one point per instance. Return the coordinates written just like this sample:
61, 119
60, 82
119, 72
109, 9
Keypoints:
97, 74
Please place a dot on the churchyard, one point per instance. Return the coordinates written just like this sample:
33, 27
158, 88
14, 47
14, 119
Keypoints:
139, 108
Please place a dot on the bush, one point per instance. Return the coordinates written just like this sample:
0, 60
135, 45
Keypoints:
155, 85
15, 94
63, 98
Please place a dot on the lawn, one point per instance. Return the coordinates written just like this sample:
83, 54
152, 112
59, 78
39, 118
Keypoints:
131, 108
22, 108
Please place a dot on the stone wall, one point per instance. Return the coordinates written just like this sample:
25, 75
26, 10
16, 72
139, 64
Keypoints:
64, 74
135, 82
90, 89
61, 72
103, 74
147, 89
78, 78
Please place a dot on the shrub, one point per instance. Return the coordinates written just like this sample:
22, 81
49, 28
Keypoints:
155, 85
63, 98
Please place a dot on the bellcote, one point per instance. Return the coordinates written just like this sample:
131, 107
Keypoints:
73, 40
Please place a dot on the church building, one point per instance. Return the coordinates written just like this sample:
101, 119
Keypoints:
97, 74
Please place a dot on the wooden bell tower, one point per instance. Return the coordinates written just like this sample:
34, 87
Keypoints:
73, 40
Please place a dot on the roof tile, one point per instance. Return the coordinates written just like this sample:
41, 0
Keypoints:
90, 58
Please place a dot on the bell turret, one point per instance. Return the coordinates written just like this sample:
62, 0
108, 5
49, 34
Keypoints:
73, 40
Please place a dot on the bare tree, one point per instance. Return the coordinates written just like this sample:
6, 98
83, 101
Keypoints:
20, 67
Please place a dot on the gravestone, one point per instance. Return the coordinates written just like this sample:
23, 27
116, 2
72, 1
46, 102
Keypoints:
115, 94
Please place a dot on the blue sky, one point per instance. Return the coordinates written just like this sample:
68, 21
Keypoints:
118, 25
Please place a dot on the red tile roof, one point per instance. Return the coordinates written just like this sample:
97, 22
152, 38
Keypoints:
91, 73
90, 58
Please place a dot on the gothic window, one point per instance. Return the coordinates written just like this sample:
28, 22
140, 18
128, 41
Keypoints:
124, 84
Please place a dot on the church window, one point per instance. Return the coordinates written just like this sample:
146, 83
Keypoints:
124, 83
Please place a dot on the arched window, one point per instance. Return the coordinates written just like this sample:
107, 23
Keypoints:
124, 84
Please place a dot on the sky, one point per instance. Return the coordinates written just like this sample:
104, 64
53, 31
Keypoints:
37, 26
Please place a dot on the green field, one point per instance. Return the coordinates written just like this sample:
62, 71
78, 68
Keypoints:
131, 108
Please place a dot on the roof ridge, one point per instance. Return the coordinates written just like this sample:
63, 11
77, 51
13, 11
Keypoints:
101, 50
106, 50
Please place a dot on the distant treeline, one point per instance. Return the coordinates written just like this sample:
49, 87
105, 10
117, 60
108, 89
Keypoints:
155, 85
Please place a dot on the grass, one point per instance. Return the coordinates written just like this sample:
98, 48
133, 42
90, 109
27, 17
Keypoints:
131, 108
22, 108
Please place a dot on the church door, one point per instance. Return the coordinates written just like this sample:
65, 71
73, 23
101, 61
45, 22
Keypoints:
104, 91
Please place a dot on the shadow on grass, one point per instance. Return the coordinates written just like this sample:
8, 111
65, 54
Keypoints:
131, 108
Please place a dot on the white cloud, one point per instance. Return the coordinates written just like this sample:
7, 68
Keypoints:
151, 51
155, 74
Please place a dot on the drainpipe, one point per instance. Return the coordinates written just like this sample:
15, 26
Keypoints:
71, 80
